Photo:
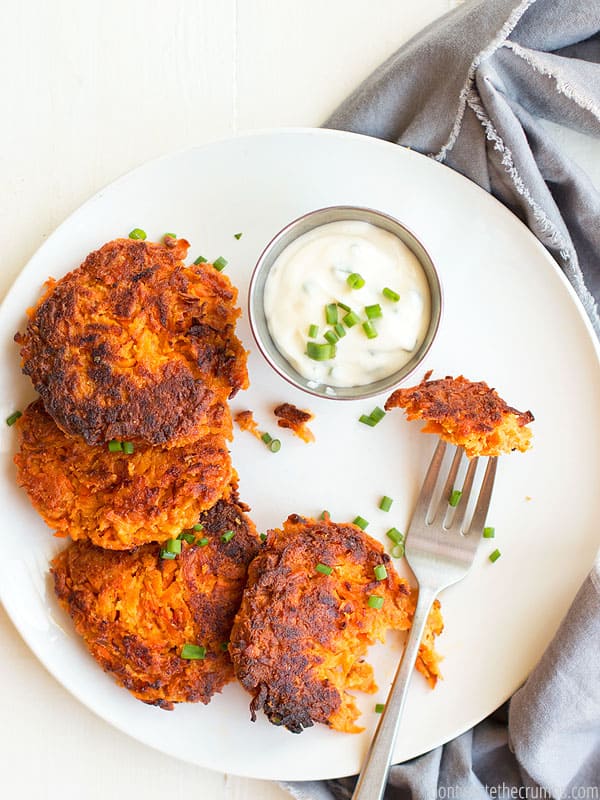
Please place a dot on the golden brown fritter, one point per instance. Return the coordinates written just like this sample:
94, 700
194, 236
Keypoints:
117, 500
300, 636
134, 345
136, 611
467, 414
296, 420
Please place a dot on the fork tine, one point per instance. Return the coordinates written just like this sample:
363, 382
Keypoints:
448, 485
485, 495
459, 514
424, 500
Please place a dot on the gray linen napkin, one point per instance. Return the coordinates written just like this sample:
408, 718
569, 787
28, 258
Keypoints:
469, 91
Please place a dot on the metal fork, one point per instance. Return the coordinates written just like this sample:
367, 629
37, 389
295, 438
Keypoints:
439, 556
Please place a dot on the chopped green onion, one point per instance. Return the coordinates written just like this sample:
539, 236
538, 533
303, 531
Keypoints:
198, 527
201, 260
263, 537
225, 645
128, 448
380, 572
370, 330
202, 542
324, 515
340, 330
320, 352
385, 503
220, 264
332, 337
377, 414
170, 235
395, 535
373, 312
137, 233
115, 446
375, 601
398, 550
455, 497
173, 546
331, 313
275, 445
489, 533
495, 556
344, 306
187, 537
360, 522
237, 236
379, 708
355, 281
313, 331
193, 651
391, 295
324, 569
366, 420
13, 418
166, 556
351, 319
267, 438
227, 536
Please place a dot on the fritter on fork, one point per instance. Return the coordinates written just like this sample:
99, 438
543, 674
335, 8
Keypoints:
136, 611
115, 499
135, 345
318, 595
466, 414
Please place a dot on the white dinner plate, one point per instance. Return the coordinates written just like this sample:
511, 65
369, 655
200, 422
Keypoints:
510, 318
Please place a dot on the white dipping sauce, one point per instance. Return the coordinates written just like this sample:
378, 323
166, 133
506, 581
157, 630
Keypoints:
312, 272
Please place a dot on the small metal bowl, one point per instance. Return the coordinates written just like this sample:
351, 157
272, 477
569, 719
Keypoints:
258, 320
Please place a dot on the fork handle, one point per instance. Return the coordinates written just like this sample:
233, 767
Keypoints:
373, 776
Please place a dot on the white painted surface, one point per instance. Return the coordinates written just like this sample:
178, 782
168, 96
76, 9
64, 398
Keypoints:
89, 90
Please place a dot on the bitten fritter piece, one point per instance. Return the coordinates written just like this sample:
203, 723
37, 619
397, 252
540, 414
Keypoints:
116, 500
295, 419
136, 611
134, 344
466, 414
246, 422
305, 623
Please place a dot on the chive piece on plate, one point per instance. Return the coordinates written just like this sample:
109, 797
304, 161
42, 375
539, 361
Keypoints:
489, 533
266, 437
173, 546
373, 312
355, 281
220, 264
360, 522
274, 445
344, 306
398, 551
377, 414
193, 652
227, 536
166, 556
187, 537
201, 260
137, 233
391, 295
375, 601
380, 572
385, 503
340, 330
367, 420
237, 236
115, 446
351, 319
324, 515
455, 496
128, 448
263, 537
395, 535
495, 555
13, 418
169, 236
320, 352
313, 331
379, 708
331, 337
331, 313
324, 569
370, 330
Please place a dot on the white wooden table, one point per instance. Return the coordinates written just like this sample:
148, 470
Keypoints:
90, 89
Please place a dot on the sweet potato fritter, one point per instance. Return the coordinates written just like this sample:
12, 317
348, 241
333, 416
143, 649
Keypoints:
135, 611
467, 414
246, 422
300, 636
134, 345
117, 500
295, 419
